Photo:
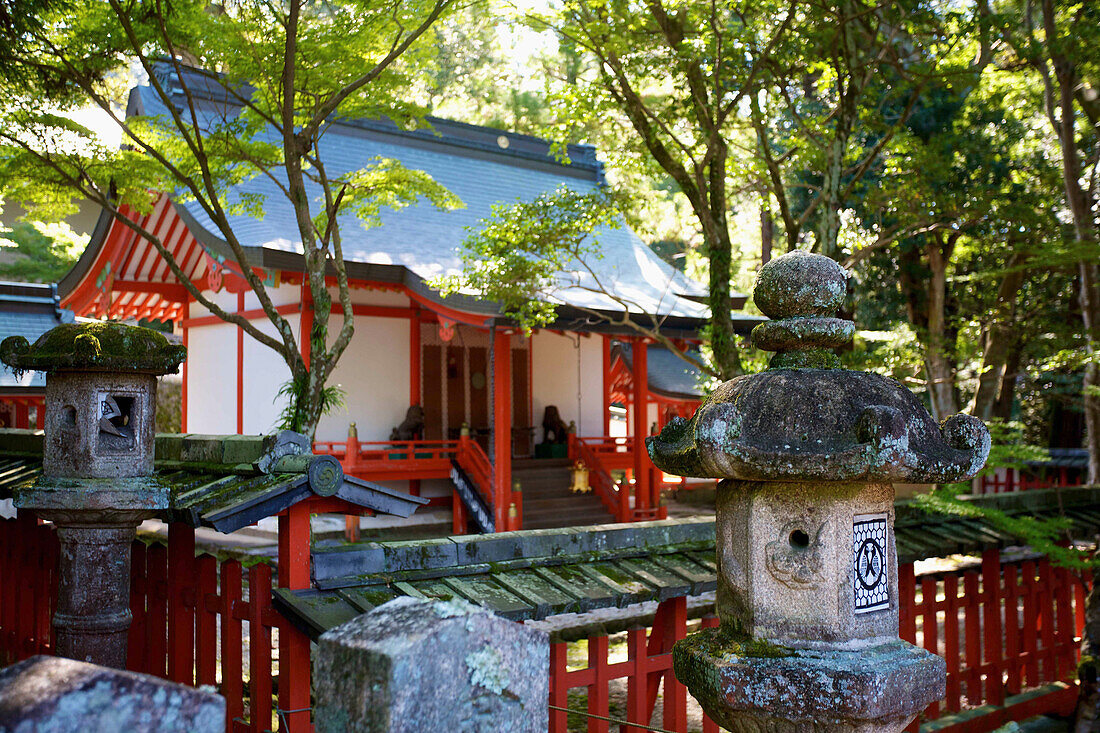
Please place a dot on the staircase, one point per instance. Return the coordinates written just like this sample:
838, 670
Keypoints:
547, 500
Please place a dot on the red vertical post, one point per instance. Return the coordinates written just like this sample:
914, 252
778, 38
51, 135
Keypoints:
458, 514
259, 649
232, 647
606, 385
183, 379
1013, 677
951, 641
973, 640
181, 617
675, 694
206, 622
559, 686
991, 625
642, 474
294, 669
637, 709
502, 431
22, 415
598, 698
240, 368
929, 628
414, 358
414, 378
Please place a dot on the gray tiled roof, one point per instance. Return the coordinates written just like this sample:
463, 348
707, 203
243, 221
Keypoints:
28, 310
423, 239
669, 375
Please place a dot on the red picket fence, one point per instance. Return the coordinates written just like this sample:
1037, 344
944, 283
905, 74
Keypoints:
1002, 628
197, 621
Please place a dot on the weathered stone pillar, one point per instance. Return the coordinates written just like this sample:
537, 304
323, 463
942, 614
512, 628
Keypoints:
96, 484
807, 566
414, 665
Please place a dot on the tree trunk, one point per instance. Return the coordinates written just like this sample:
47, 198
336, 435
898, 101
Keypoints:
722, 343
1090, 312
939, 355
1088, 701
1006, 396
767, 234
997, 343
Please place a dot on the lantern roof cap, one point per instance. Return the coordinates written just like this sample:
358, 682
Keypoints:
96, 346
805, 418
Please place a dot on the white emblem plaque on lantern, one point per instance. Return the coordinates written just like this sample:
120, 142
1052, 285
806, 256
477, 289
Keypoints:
869, 577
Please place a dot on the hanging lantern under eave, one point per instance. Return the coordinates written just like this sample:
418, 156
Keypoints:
580, 479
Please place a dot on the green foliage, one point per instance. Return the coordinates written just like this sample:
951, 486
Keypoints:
1045, 535
295, 392
526, 252
39, 252
286, 71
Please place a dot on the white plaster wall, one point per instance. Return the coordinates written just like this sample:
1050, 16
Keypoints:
559, 365
212, 371
374, 372
264, 373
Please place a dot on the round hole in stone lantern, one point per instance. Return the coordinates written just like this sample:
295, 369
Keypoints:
807, 454
96, 484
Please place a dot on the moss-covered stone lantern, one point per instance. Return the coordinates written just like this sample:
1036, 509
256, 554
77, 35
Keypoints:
96, 484
807, 567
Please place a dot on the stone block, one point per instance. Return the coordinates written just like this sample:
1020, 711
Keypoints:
414, 665
755, 686
54, 695
790, 570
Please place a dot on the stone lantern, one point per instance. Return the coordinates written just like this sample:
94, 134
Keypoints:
97, 463
807, 567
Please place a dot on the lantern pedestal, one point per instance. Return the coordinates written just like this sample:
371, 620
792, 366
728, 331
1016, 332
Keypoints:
751, 685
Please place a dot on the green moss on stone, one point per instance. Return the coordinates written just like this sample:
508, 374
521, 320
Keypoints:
95, 347
721, 642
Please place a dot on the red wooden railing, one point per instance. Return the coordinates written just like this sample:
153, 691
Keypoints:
615, 498
1010, 479
397, 460
615, 453
475, 462
197, 621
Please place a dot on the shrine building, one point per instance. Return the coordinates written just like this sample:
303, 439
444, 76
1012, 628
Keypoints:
483, 385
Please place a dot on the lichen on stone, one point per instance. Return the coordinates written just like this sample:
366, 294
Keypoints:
102, 346
487, 670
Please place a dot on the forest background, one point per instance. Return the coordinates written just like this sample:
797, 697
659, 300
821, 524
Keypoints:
946, 153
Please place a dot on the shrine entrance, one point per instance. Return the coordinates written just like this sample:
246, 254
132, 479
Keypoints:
456, 380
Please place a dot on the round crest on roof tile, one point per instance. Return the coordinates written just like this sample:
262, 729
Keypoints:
109, 346
805, 418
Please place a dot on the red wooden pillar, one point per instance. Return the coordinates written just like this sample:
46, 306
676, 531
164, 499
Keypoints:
240, 368
607, 385
22, 415
414, 377
294, 669
183, 379
502, 430
642, 474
